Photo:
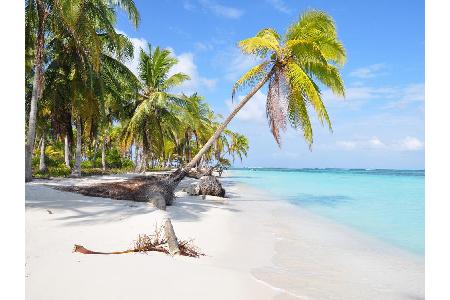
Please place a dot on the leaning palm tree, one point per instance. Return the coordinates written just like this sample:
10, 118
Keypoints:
294, 65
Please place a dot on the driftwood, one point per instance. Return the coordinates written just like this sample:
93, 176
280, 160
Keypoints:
158, 191
197, 173
207, 185
210, 185
155, 242
171, 238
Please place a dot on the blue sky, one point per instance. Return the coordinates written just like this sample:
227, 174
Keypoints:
380, 123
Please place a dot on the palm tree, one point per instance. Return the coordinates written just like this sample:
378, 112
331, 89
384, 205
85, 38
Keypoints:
78, 20
36, 16
310, 51
156, 106
239, 145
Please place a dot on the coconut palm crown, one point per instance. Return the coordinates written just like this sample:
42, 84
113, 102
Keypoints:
309, 54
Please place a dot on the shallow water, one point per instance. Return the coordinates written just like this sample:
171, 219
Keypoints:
386, 204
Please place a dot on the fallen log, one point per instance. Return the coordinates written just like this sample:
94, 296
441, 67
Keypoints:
207, 185
167, 244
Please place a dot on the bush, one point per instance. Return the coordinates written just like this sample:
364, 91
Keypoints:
127, 164
113, 158
87, 164
35, 162
54, 157
58, 171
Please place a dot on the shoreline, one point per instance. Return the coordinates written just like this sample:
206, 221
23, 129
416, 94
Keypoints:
256, 248
317, 258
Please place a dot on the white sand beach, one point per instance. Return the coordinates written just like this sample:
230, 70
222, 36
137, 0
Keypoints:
256, 247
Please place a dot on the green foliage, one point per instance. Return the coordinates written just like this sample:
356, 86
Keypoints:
56, 171
86, 80
127, 164
113, 158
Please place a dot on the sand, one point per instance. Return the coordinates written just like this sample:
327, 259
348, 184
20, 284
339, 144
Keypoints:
257, 247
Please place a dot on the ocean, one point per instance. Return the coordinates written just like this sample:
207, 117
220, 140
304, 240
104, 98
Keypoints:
386, 204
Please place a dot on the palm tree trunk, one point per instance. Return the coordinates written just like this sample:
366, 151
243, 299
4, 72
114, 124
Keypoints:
94, 157
77, 166
136, 161
37, 88
42, 166
67, 151
180, 174
104, 152
145, 152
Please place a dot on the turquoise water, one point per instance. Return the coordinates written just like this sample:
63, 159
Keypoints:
387, 204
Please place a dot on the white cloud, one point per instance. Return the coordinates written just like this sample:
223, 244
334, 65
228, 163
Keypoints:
215, 8
410, 94
392, 96
237, 63
369, 71
406, 144
187, 66
253, 111
371, 143
279, 5
359, 93
376, 143
410, 144
138, 44
348, 145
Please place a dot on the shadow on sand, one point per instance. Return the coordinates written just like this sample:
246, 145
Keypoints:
77, 209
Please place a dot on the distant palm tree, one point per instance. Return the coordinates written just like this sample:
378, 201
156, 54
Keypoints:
310, 51
156, 105
238, 146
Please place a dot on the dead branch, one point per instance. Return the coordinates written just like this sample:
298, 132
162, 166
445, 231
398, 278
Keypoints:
154, 242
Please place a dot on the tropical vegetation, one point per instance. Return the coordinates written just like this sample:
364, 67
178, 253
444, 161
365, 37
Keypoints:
87, 112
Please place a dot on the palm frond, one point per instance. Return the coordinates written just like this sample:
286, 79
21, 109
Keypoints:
298, 79
260, 46
251, 77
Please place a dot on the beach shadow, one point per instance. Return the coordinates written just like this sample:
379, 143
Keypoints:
192, 208
78, 209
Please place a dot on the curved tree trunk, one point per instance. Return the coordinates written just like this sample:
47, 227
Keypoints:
180, 174
42, 166
104, 152
67, 151
37, 88
77, 166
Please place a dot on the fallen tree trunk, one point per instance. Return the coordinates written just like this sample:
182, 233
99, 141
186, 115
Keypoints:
207, 185
156, 242
198, 173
